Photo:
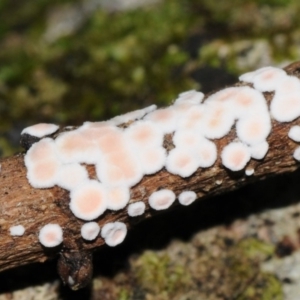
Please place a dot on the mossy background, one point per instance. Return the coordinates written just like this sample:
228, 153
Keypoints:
66, 61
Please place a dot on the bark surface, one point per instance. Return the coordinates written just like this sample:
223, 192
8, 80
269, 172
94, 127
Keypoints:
33, 208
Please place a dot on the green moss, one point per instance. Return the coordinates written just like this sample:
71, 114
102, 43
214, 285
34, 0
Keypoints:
156, 273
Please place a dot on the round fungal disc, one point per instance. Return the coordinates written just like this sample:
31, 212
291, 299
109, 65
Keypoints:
114, 233
187, 197
88, 201
259, 151
235, 156
117, 197
181, 162
161, 199
254, 129
90, 230
43, 174
51, 235
71, 175
136, 209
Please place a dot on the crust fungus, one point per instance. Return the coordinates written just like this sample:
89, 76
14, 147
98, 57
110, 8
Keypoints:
117, 197
124, 152
161, 199
259, 151
90, 230
51, 235
187, 197
114, 233
136, 209
181, 162
88, 201
235, 156
165, 118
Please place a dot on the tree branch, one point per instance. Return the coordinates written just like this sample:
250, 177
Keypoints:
20, 203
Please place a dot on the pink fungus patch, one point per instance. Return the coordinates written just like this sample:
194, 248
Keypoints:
38, 152
40, 130
90, 230
117, 197
111, 142
187, 197
181, 162
235, 156
191, 96
254, 129
285, 107
71, 175
260, 150
114, 233
144, 134
43, 174
76, 147
268, 79
224, 96
165, 118
152, 159
206, 154
133, 115
88, 201
187, 138
51, 235
161, 199
136, 209
192, 118
218, 121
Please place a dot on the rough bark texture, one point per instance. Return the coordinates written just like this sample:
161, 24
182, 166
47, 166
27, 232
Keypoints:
33, 208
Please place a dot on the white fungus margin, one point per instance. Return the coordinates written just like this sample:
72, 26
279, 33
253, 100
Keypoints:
114, 233
51, 235
90, 230
161, 199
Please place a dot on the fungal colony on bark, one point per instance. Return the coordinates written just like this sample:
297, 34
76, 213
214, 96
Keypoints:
122, 156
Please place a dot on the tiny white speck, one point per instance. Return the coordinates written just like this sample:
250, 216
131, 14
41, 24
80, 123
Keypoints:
17, 230
249, 171
219, 181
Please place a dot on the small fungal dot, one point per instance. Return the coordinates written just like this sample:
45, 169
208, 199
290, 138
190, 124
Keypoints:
249, 171
51, 235
296, 154
114, 233
187, 197
90, 230
294, 133
17, 230
161, 199
219, 181
136, 209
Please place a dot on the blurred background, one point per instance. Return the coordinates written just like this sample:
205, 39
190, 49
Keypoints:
67, 61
